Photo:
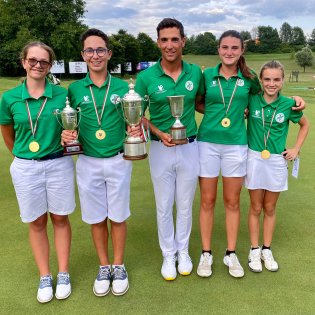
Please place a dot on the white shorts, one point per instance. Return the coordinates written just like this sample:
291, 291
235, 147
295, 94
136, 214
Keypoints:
230, 159
270, 174
43, 186
104, 188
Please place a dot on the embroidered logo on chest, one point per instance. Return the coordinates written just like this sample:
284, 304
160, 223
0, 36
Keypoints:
189, 85
280, 118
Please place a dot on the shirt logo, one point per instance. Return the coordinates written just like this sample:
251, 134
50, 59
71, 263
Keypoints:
189, 85
86, 99
213, 83
115, 99
256, 114
160, 89
240, 82
280, 118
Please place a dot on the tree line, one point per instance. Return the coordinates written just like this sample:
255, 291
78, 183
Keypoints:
59, 24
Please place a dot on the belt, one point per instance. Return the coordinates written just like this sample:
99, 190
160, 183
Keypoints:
190, 139
51, 156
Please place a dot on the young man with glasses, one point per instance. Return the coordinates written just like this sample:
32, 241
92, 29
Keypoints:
174, 168
103, 176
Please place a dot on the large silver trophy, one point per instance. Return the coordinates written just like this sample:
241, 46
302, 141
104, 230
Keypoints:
69, 121
178, 130
134, 147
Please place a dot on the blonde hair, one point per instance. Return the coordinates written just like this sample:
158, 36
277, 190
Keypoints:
273, 64
26, 48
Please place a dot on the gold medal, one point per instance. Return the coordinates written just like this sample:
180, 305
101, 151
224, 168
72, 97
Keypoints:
225, 122
265, 154
100, 134
34, 146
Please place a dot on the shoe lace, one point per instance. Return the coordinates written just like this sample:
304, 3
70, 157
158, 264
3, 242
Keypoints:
45, 281
268, 255
119, 273
63, 278
170, 259
255, 255
206, 259
184, 256
104, 273
234, 260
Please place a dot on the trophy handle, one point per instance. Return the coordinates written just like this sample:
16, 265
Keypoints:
79, 112
56, 113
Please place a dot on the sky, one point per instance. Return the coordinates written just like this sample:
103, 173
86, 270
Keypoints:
198, 16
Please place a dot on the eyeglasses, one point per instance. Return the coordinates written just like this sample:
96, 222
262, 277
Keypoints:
100, 51
43, 63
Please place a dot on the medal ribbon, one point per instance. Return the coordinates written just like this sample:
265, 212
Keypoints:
232, 96
99, 117
266, 137
33, 128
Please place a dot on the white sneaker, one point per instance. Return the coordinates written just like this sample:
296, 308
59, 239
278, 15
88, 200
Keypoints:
254, 260
270, 263
45, 290
102, 282
185, 265
168, 269
235, 268
205, 263
63, 288
120, 283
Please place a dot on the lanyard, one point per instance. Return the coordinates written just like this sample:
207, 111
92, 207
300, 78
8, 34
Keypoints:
99, 117
34, 127
266, 137
232, 96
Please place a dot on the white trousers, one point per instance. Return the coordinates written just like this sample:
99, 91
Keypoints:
174, 173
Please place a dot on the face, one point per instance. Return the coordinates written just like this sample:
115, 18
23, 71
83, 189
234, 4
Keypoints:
272, 81
95, 62
230, 50
171, 44
36, 70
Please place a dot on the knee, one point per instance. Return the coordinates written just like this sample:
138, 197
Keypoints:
207, 203
39, 224
255, 209
269, 210
59, 220
232, 205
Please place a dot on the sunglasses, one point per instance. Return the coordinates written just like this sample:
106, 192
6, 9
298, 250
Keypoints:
100, 51
43, 63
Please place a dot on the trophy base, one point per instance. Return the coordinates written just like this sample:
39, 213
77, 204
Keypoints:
72, 149
178, 135
134, 151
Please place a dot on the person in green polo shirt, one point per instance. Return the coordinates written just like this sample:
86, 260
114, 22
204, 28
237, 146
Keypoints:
103, 176
174, 168
222, 143
267, 169
43, 179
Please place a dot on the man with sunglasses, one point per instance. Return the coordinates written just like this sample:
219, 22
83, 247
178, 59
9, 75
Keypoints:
103, 176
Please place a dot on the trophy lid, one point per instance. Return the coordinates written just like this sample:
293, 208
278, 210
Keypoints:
68, 108
132, 96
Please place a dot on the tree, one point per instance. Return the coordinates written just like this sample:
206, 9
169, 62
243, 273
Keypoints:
298, 37
43, 20
285, 33
149, 50
205, 44
304, 57
132, 49
246, 35
311, 40
269, 40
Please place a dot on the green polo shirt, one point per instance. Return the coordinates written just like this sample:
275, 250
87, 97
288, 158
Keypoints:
158, 86
280, 125
210, 129
13, 111
112, 121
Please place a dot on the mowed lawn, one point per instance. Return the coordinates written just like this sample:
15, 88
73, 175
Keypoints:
288, 291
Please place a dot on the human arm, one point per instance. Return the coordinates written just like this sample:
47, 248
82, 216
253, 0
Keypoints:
163, 136
291, 154
8, 135
200, 104
299, 102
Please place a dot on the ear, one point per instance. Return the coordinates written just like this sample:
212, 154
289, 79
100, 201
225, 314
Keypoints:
184, 41
110, 53
23, 61
82, 55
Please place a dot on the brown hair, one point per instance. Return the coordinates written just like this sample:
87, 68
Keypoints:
241, 64
169, 23
26, 48
273, 64
94, 32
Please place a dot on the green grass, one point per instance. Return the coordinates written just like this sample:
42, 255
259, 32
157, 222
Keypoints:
289, 291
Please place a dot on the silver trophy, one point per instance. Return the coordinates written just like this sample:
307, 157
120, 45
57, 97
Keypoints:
178, 130
134, 147
69, 121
